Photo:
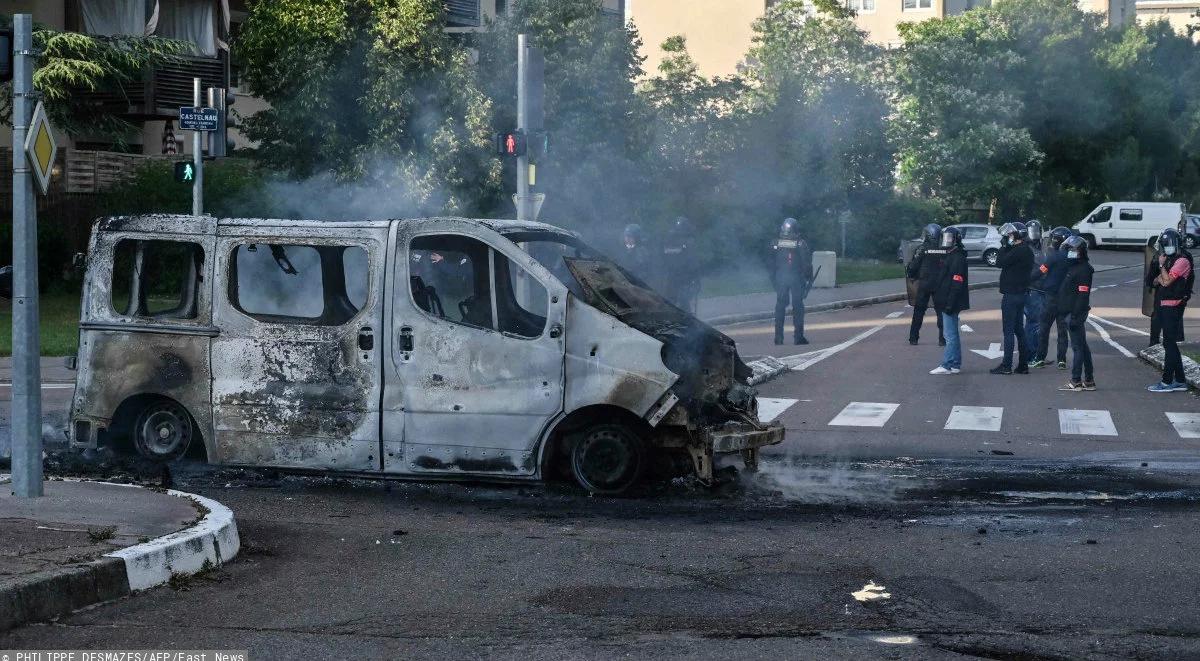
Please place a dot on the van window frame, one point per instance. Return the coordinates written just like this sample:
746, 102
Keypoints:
199, 286
229, 255
1141, 214
406, 254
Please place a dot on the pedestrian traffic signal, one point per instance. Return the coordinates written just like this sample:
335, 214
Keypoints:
511, 143
185, 172
6, 55
539, 145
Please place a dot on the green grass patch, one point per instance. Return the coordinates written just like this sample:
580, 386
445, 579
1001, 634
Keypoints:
866, 270
1194, 354
59, 324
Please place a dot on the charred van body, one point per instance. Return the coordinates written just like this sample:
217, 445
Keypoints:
441, 347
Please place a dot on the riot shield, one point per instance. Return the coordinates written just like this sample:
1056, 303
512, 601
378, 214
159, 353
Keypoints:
1149, 255
910, 286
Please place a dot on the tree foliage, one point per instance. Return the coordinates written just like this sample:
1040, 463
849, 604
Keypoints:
370, 90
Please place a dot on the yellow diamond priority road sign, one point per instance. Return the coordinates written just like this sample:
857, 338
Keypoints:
40, 148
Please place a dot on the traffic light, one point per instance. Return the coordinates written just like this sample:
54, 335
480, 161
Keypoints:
538, 145
511, 143
185, 172
6, 55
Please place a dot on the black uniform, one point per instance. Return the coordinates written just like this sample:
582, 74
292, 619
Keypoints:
1151, 276
953, 294
792, 277
926, 268
637, 260
1170, 318
681, 274
1074, 297
1016, 265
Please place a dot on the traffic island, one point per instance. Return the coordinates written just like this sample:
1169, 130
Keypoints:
1155, 356
85, 543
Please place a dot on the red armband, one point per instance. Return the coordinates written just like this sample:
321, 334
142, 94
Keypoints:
1044, 269
958, 278
1084, 289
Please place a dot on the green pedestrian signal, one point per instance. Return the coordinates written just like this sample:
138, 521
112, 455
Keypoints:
185, 172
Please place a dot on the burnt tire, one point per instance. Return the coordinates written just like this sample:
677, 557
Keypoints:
608, 459
163, 431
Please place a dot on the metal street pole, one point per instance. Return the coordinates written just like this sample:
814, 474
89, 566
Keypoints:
26, 348
197, 158
523, 201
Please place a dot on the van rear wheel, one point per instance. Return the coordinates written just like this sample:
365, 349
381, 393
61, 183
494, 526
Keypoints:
608, 459
163, 431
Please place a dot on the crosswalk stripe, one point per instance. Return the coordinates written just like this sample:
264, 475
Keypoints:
975, 418
864, 414
1187, 425
1087, 423
770, 408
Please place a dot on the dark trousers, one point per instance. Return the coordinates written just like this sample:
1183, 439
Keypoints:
920, 304
1081, 366
1171, 321
1012, 316
793, 292
1155, 327
1052, 315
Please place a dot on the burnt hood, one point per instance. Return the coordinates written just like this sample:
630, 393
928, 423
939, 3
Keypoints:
705, 359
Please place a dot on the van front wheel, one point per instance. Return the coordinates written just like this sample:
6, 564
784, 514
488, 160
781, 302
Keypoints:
163, 431
608, 459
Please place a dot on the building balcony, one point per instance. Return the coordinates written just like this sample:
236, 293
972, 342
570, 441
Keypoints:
163, 89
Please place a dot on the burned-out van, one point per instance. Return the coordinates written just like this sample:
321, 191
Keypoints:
435, 348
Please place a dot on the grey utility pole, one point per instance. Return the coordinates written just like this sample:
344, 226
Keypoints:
26, 349
524, 202
197, 157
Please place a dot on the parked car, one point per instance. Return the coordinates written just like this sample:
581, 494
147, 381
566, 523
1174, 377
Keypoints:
1129, 223
1191, 237
431, 348
982, 243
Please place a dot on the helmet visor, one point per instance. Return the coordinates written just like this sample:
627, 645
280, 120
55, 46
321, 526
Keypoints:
947, 239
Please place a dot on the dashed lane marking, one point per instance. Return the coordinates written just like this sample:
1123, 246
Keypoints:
975, 418
1187, 425
895, 315
1086, 423
864, 414
770, 408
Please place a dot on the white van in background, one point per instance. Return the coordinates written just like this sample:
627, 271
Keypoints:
1129, 223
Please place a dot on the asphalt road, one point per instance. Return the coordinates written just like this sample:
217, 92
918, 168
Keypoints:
903, 540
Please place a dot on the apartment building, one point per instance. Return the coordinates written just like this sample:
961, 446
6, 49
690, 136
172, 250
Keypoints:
719, 32
1182, 15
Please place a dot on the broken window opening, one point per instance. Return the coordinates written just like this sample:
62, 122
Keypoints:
156, 279
449, 278
317, 285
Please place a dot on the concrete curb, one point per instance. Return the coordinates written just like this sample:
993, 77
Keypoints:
211, 542
728, 319
1154, 356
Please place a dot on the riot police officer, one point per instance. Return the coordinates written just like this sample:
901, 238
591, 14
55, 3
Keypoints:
1052, 268
1173, 282
926, 268
681, 274
1016, 263
634, 256
792, 278
953, 295
1152, 273
1036, 296
1074, 296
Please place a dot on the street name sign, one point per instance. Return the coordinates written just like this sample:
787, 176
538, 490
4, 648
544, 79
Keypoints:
40, 148
198, 119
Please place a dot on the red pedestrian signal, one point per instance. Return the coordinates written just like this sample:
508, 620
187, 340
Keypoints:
511, 143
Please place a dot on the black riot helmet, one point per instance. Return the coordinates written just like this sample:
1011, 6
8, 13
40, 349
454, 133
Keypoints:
951, 238
1076, 247
1010, 232
931, 235
1033, 232
790, 229
633, 234
1058, 235
1169, 243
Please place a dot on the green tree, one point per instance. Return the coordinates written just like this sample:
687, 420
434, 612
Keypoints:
371, 91
71, 62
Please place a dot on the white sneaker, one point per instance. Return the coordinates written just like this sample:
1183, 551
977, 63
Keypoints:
941, 370
954, 370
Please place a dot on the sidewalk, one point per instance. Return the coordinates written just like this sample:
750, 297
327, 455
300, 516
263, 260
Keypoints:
53, 370
88, 542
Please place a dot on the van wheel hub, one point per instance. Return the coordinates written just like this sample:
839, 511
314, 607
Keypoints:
163, 431
607, 459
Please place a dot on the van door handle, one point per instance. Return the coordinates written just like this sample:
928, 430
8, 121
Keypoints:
366, 340
406, 338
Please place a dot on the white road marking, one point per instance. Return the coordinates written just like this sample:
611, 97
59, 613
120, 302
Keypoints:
1087, 423
1108, 338
770, 408
803, 361
975, 418
871, 592
966, 329
864, 414
992, 352
1114, 324
47, 386
1186, 424
896, 315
